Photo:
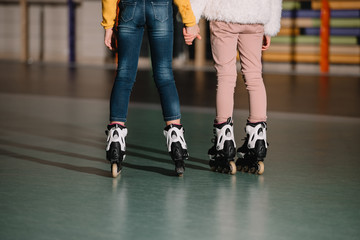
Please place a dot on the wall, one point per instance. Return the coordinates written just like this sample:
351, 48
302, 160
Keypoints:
48, 32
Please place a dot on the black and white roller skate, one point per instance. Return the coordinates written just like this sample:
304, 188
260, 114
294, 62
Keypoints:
223, 152
252, 153
115, 149
176, 146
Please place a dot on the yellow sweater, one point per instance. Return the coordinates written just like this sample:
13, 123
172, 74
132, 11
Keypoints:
109, 13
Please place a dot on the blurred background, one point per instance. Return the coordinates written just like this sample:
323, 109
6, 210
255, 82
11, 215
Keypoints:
69, 31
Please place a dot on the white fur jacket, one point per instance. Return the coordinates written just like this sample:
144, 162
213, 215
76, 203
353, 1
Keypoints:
267, 12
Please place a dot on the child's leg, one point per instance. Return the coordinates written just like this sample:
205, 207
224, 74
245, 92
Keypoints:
249, 46
252, 153
160, 31
130, 35
223, 45
223, 39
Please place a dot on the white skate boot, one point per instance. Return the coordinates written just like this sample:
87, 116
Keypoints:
223, 152
176, 146
115, 149
252, 153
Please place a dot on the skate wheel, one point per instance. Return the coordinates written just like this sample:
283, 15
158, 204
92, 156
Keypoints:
212, 165
226, 170
213, 169
252, 170
180, 173
114, 170
261, 168
232, 167
239, 167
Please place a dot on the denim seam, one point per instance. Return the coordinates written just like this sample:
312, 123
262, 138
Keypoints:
133, 10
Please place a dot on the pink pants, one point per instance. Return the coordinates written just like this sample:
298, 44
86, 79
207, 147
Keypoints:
226, 38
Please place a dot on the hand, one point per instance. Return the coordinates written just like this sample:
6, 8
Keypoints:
266, 43
108, 37
190, 33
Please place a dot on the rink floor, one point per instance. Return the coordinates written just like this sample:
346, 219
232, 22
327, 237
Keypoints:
56, 184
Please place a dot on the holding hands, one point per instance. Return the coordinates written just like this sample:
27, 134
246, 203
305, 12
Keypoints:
266, 42
190, 33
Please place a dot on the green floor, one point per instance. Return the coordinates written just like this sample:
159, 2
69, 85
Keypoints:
55, 183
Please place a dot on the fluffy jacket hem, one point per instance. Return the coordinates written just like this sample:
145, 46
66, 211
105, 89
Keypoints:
266, 12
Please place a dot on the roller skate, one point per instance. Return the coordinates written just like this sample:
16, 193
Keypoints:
252, 153
176, 145
223, 152
115, 149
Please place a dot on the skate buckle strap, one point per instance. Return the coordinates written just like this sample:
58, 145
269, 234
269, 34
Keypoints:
256, 132
173, 134
223, 134
116, 133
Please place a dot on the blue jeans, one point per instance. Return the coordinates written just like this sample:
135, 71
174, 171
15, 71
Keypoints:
157, 17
